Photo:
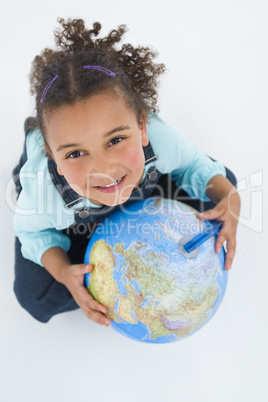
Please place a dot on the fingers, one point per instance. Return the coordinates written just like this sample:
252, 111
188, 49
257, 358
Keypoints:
94, 310
228, 232
231, 247
82, 269
220, 240
210, 214
91, 308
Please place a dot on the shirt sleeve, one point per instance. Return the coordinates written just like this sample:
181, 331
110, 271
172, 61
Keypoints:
35, 230
190, 168
35, 244
40, 215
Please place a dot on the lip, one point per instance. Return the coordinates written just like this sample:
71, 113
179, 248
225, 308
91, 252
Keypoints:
112, 189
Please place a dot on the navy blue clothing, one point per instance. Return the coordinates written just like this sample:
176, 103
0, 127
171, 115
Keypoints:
36, 290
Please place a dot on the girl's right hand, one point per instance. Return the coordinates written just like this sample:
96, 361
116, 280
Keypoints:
72, 276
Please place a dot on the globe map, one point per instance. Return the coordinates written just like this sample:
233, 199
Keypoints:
152, 292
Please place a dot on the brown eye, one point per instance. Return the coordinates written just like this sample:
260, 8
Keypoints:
75, 154
116, 140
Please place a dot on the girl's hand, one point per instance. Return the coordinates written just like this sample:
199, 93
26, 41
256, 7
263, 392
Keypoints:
72, 276
222, 212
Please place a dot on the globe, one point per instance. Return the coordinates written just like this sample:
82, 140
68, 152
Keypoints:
154, 292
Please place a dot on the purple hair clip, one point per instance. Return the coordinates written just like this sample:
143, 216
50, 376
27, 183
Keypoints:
103, 69
47, 88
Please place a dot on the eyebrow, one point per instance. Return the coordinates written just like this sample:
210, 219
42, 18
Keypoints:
114, 130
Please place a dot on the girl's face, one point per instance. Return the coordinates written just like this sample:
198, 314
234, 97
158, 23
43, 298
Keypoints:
97, 146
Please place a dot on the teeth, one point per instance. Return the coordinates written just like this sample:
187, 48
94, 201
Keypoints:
113, 184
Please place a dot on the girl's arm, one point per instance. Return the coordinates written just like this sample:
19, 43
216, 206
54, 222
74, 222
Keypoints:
56, 261
222, 192
190, 168
219, 187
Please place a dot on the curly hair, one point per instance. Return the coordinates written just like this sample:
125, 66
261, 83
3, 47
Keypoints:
136, 75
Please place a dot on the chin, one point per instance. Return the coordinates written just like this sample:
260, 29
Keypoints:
115, 203
118, 201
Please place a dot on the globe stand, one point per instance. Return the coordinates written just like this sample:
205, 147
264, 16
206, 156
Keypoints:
190, 255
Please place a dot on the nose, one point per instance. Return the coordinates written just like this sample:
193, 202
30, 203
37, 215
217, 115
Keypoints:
103, 167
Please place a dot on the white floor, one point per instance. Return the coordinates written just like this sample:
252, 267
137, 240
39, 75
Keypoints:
216, 92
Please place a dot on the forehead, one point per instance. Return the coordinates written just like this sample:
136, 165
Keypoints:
95, 116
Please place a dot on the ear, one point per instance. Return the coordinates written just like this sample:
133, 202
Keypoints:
59, 171
46, 146
143, 128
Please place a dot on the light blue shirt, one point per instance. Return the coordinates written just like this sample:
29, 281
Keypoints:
41, 214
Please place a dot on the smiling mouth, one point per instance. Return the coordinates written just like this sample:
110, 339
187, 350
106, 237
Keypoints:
112, 184
113, 187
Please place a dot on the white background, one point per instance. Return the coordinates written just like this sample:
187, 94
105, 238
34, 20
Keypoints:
216, 91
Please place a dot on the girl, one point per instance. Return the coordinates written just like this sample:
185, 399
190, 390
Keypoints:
95, 144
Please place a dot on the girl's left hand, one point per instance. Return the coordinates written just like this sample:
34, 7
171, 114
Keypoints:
227, 210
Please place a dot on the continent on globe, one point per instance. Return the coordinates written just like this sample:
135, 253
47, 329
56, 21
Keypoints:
152, 292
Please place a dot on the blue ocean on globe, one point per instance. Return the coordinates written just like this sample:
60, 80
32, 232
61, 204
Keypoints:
153, 293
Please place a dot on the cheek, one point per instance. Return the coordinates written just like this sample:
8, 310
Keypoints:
73, 175
134, 160
76, 181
